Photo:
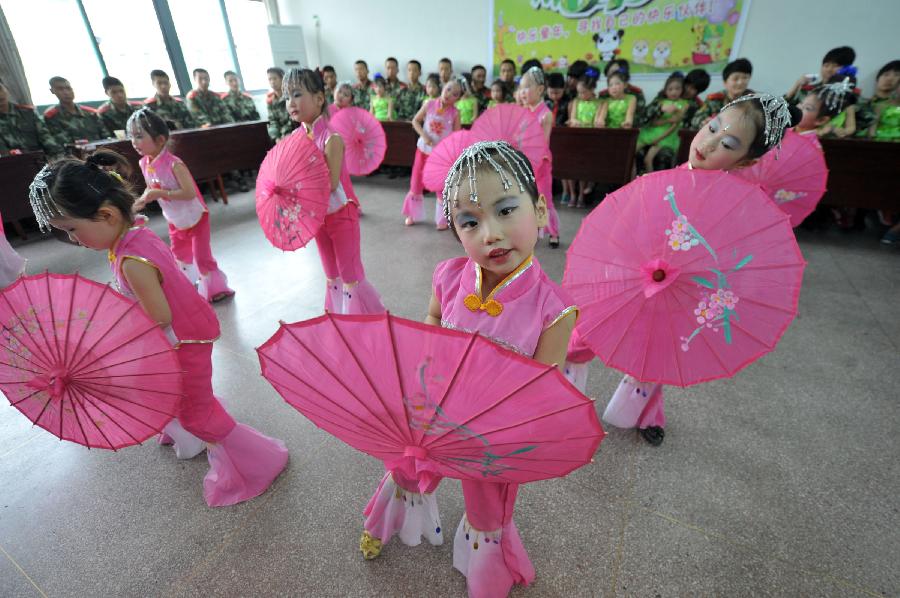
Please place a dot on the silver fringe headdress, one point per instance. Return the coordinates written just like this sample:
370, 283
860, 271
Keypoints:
834, 94
42, 203
537, 75
777, 116
500, 156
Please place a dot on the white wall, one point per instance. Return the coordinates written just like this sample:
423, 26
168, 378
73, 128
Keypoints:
783, 38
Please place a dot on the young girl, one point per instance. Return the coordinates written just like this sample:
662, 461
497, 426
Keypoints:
582, 113
94, 207
382, 105
663, 132
736, 137
821, 106
467, 105
495, 210
498, 93
432, 88
436, 119
169, 182
347, 291
343, 97
618, 111
531, 90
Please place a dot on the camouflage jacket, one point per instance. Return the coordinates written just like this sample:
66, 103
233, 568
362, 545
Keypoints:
867, 115
408, 102
21, 129
329, 96
713, 104
362, 95
394, 88
484, 96
800, 95
113, 118
69, 128
208, 108
280, 123
173, 111
240, 105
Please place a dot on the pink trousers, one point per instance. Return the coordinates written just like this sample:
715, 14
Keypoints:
414, 202
242, 462
191, 246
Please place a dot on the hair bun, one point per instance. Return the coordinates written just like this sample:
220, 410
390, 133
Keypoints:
796, 115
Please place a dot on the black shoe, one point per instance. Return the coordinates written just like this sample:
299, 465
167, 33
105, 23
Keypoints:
654, 435
554, 244
243, 186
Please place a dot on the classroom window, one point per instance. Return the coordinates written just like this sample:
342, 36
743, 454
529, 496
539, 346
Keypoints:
201, 32
52, 40
131, 44
249, 28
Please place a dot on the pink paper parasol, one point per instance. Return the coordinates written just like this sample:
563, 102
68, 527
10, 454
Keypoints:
794, 176
292, 190
684, 276
364, 139
430, 401
442, 158
84, 362
515, 125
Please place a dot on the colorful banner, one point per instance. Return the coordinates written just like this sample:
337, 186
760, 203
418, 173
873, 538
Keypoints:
656, 36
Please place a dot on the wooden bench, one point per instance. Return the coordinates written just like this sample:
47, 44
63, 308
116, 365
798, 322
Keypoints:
208, 153
600, 155
16, 174
861, 173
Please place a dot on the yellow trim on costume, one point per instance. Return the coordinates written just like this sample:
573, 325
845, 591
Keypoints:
143, 260
563, 314
494, 308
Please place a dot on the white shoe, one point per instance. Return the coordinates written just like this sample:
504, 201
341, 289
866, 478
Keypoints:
187, 446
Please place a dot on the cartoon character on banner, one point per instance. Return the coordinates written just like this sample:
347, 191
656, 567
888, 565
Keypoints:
661, 53
608, 44
639, 51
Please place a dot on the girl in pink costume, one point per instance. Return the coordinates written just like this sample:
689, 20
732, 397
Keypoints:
737, 137
531, 91
435, 120
499, 291
12, 265
95, 208
343, 98
348, 291
170, 183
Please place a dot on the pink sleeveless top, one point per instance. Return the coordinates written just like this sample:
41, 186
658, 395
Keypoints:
524, 304
182, 214
193, 319
321, 133
438, 123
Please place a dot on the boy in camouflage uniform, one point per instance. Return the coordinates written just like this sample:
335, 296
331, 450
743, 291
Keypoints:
240, 104
69, 122
480, 89
392, 84
832, 62
329, 78
410, 98
170, 108
115, 112
363, 89
206, 106
22, 130
736, 76
280, 123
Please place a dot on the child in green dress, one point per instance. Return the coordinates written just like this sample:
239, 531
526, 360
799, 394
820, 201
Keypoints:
618, 111
663, 131
498, 93
382, 103
468, 103
582, 113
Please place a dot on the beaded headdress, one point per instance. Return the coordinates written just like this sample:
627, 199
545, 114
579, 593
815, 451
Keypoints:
536, 74
42, 203
500, 156
834, 94
777, 115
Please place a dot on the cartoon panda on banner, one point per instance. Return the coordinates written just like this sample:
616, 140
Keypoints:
608, 43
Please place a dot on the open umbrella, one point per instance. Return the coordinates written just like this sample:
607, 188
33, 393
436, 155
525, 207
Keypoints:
794, 176
684, 276
430, 401
442, 158
515, 125
364, 139
84, 362
292, 191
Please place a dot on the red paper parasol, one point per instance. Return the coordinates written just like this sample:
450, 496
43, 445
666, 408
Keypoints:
364, 139
84, 362
430, 401
292, 191
684, 276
